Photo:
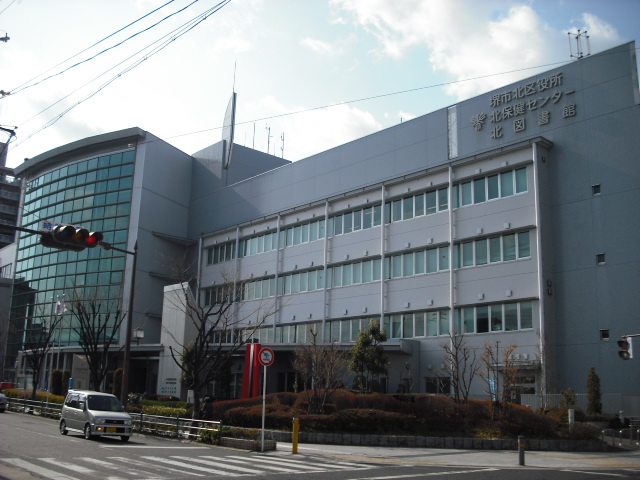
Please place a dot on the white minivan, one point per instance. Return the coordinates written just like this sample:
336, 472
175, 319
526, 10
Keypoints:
95, 414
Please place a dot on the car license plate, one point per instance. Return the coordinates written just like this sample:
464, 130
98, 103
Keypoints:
112, 429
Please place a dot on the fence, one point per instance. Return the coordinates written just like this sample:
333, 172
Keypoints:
612, 403
147, 424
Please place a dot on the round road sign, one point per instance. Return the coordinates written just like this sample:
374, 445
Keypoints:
266, 356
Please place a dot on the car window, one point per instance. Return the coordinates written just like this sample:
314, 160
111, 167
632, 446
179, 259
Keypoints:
72, 401
104, 403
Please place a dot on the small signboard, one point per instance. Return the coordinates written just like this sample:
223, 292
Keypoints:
266, 357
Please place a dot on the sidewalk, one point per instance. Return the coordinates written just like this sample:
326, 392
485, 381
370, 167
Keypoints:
476, 458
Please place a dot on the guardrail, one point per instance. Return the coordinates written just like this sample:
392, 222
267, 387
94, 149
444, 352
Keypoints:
34, 407
625, 437
177, 427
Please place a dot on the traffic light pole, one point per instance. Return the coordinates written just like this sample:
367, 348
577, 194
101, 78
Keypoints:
68, 237
124, 392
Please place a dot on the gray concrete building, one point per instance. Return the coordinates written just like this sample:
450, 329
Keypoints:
503, 220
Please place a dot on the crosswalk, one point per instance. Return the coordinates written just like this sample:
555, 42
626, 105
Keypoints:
174, 466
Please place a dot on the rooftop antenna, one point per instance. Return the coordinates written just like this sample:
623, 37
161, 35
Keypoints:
578, 37
268, 138
282, 146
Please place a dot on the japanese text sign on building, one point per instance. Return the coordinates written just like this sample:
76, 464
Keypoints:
509, 108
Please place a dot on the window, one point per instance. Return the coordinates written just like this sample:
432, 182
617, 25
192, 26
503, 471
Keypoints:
524, 247
510, 317
465, 194
419, 205
604, 335
481, 252
495, 249
600, 259
432, 324
348, 222
595, 190
521, 180
419, 319
467, 254
526, 315
443, 199
407, 208
438, 385
509, 247
494, 187
482, 319
367, 218
496, 318
506, 184
337, 225
431, 202
479, 191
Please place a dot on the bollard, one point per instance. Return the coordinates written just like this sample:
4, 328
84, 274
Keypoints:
521, 450
294, 435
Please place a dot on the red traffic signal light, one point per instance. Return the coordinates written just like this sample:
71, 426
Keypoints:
69, 237
93, 239
625, 346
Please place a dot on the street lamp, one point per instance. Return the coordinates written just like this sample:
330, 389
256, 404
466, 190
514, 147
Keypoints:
138, 334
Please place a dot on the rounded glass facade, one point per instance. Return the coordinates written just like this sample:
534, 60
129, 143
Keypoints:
94, 193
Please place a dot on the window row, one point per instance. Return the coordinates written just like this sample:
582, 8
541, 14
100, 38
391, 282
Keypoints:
479, 190
505, 317
423, 324
418, 205
71, 172
431, 260
491, 187
491, 250
221, 253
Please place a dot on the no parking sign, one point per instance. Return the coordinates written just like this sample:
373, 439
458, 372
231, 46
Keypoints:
266, 357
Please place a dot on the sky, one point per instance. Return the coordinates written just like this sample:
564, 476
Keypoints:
309, 74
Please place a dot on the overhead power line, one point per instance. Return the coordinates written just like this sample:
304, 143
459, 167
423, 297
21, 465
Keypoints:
33, 83
182, 30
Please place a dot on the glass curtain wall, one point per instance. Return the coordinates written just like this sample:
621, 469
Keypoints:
95, 194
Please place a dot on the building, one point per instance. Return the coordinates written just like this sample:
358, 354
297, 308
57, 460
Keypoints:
503, 218
9, 200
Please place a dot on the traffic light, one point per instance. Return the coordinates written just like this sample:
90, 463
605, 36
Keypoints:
625, 346
69, 237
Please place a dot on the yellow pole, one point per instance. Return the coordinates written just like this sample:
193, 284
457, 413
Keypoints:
294, 439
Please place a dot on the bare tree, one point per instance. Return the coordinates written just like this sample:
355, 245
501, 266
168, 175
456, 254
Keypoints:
461, 364
97, 322
500, 387
215, 333
38, 341
323, 369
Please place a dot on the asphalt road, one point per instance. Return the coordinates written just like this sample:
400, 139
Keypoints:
31, 447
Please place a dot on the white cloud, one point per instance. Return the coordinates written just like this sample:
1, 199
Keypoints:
305, 133
596, 27
467, 40
317, 46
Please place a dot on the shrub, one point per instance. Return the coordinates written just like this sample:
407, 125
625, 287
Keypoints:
580, 431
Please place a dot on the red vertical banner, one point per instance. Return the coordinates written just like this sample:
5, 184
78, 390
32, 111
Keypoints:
251, 380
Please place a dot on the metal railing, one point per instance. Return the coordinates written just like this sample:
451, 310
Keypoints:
176, 427
34, 407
